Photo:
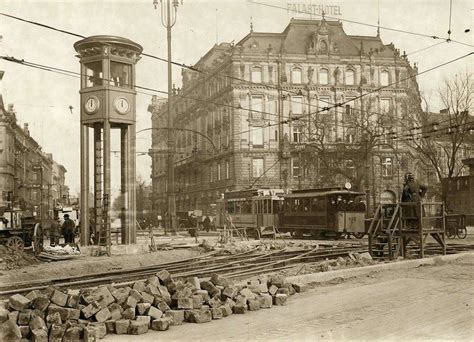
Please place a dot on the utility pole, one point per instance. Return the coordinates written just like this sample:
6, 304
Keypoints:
168, 19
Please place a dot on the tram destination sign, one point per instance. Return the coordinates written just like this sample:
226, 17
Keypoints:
313, 9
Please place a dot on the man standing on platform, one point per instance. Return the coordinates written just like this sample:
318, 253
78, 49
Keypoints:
69, 229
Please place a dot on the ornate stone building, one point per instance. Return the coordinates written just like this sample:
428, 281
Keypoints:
252, 113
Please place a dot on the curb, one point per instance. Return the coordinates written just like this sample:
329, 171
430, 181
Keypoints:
347, 273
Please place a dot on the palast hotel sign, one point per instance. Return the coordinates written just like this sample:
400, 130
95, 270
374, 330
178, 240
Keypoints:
313, 9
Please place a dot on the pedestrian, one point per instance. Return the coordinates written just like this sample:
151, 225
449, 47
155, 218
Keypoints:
55, 232
413, 192
68, 229
207, 223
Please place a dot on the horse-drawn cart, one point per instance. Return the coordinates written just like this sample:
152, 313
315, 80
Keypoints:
18, 231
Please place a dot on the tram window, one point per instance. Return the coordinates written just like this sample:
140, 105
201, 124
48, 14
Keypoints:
277, 205
305, 204
246, 207
265, 206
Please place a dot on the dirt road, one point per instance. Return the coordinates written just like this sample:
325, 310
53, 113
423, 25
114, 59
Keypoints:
429, 302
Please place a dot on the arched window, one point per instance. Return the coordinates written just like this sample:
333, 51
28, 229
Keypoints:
323, 76
296, 76
384, 78
257, 75
350, 77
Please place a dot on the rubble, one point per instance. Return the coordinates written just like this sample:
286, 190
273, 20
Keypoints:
11, 259
158, 303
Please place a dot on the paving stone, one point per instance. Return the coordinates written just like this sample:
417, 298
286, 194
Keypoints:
63, 312
38, 323
154, 312
291, 289
153, 280
177, 316
210, 288
103, 315
110, 327
56, 332
219, 280
200, 316
152, 289
300, 287
266, 301
217, 313
72, 334
241, 300
197, 301
135, 294
115, 311
90, 334
272, 290
161, 305
73, 301
263, 279
142, 308
41, 303
13, 316
131, 302
138, 327
24, 317
25, 330
280, 299
239, 308
225, 309
59, 298
73, 313
121, 294
254, 304
9, 331
215, 302
91, 309
182, 293
33, 294
128, 313
230, 292
104, 297
247, 293
146, 319
164, 276
194, 282
204, 294
278, 281
147, 298
39, 335
284, 290
161, 324
139, 286
164, 292
18, 302
54, 318
100, 329
121, 326
3, 315
230, 302
48, 292
185, 303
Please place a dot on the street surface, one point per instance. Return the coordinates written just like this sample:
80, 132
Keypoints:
429, 302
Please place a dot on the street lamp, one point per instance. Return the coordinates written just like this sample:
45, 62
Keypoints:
168, 19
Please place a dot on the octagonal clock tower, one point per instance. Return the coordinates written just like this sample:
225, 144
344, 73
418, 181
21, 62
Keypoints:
108, 101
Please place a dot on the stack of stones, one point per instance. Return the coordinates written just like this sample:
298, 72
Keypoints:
157, 303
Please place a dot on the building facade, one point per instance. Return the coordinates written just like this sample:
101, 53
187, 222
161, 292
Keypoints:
280, 110
59, 189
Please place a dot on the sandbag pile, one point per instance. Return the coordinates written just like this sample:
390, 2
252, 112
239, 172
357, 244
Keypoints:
157, 303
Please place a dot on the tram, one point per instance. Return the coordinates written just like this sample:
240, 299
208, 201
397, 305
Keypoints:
329, 212
251, 210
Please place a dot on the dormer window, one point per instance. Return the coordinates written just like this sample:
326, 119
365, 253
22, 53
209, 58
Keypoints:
323, 46
296, 76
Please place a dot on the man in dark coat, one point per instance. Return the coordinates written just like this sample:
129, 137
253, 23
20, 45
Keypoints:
54, 232
69, 229
413, 192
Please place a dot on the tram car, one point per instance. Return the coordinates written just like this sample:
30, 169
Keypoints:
330, 212
253, 211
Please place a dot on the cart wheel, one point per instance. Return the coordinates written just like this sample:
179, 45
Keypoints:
450, 234
462, 233
359, 235
16, 243
38, 238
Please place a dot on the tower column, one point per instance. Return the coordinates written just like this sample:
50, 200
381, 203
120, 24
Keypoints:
124, 184
84, 185
107, 195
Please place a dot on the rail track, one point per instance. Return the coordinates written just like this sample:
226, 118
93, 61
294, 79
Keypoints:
237, 266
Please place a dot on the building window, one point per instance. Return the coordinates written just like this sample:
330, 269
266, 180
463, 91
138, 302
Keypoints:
257, 167
257, 75
296, 76
323, 76
295, 167
387, 167
94, 74
384, 78
120, 74
211, 176
227, 170
257, 136
297, 136
256, 105
297, 104
350, 79
219, 171
385, 106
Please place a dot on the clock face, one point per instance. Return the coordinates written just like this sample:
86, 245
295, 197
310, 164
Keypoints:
91, 105
121, 105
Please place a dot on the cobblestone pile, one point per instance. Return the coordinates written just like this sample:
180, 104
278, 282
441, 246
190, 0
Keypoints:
157, 303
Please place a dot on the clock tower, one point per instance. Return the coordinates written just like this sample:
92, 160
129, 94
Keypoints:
108, 100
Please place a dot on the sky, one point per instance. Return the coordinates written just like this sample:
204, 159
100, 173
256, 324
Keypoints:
42, 98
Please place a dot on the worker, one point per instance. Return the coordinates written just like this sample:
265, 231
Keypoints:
68, 229
55, 232
413, 192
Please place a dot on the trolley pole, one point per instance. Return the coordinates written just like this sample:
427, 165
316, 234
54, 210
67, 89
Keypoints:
168, 20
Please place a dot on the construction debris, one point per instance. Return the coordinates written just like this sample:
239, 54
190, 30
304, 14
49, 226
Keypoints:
11, 259
157, 303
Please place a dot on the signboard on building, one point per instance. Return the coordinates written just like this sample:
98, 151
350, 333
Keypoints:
313, 9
